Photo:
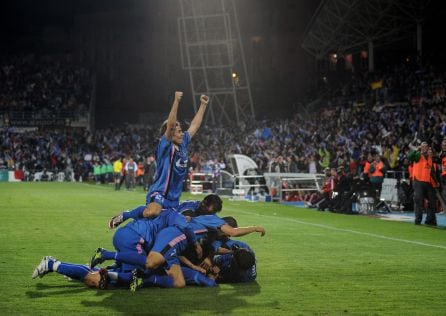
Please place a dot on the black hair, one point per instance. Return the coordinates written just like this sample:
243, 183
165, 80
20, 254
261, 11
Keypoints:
214, 200
244, 258
231, 221
105, 279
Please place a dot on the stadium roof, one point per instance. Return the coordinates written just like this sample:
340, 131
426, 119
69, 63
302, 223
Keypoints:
346, 26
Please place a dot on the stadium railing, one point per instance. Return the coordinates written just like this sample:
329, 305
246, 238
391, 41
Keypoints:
281, 183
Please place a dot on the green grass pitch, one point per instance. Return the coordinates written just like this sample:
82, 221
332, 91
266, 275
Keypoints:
309, 262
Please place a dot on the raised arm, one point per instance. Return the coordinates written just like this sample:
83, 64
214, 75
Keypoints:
242, 231
198, 118
172, 119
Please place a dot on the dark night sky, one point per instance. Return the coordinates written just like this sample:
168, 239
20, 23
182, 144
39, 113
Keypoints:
26, 18
23, 18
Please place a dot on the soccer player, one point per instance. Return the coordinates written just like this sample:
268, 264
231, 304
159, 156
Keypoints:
211, 204
238, 266
235, 260
145, 238
91, 278
169, 244
171, 159
116, 276
139, 236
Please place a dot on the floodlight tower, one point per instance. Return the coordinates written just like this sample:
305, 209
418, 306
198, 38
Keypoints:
212, 53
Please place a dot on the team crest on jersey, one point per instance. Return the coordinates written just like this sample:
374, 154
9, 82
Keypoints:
181, 163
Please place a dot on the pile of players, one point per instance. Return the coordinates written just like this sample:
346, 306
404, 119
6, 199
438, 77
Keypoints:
168, 244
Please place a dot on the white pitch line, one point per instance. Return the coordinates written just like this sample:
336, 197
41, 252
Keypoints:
349, 231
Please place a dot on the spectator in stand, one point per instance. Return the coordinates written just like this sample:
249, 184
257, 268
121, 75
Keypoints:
292, 164
325, 156
353, 166
331, 179
279, 165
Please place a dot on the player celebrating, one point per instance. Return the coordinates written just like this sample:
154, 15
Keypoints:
171, 159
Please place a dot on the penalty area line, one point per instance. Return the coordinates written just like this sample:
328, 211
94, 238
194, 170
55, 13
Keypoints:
407, 241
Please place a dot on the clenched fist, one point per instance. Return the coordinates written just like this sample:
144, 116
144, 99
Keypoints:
178, 95
204, 99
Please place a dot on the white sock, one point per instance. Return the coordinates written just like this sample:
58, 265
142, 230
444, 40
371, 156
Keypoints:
56, 265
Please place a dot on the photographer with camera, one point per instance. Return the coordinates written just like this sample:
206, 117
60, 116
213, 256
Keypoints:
423, 183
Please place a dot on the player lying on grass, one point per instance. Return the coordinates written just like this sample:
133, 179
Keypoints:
228, 260
211, 204
142, 238
115, 275
98, 278
169, 243
236, 264
236, 260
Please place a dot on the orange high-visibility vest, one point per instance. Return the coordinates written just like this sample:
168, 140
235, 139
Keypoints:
140, 171
378, 172
443, 166
422, 169
366, 167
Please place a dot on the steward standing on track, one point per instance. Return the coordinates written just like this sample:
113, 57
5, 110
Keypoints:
423, 184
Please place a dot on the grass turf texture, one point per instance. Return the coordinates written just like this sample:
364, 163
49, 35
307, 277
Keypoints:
308, 263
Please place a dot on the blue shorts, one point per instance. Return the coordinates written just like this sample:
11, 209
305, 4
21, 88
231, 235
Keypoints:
158, 198
170, 242
127, 240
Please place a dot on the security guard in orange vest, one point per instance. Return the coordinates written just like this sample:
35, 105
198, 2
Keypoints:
377, 170
423, 184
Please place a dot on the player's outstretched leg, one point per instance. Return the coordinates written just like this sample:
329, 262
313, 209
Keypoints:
45, 266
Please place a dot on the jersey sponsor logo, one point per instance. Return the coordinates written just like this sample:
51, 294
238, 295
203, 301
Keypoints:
173, 253
181, 163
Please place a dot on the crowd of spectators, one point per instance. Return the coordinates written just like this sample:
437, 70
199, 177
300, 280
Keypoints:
342, 134
43, 87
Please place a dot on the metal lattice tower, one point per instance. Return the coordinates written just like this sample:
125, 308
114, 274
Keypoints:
348, 26
212, 53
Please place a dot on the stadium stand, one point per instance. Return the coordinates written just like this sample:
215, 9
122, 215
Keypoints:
385, 112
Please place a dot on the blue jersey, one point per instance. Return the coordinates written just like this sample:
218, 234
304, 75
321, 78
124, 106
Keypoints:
211, 222
230, 244
149, 228
199, 229
188, 206
171, 162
